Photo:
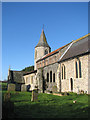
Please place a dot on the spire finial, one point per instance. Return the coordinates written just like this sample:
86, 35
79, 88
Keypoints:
43, 27
9, 67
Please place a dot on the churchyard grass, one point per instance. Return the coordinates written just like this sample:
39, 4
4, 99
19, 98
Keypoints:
48, 105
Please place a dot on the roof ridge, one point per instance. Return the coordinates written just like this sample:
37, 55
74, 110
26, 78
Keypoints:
82, 37
57, 49
17, 71
73, 41
53, 52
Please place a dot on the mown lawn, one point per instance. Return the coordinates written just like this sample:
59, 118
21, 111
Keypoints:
48, 106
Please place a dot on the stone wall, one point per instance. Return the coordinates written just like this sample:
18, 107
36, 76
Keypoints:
40, 52
82, 82
89, 74
11, 87
30, 79
50, 64
51, 59
16, 76
50, 86
40, 80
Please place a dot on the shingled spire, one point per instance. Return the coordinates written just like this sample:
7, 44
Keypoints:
42, 41
41, 49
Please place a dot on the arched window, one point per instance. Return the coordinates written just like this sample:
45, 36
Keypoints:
46, 51
76, 64
53, 77
78, 68
63, 72
80, 74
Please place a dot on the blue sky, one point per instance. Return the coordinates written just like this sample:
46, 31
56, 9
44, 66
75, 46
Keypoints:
22, 25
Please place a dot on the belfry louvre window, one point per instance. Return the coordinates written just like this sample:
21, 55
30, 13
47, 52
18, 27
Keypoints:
50, 76
47, 77
46, 52
78, 69
63, 72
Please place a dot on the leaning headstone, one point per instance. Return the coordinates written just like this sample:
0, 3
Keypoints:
7, 106
65, 93
23, 88
7, 96
11, 87
34, 96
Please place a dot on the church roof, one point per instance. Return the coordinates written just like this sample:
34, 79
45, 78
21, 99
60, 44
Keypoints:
79, 47
42, 41
53, 52
16, 76
34, 71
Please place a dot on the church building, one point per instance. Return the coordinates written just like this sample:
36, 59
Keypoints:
67, 69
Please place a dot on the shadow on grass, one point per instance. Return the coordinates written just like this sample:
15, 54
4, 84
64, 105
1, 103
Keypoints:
37, 110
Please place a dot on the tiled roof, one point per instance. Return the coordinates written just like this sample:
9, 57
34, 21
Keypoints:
53, 52
79, 47
30, 72
16, 76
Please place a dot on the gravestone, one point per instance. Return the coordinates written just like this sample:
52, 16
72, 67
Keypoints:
7, 97
65, 93
23, 88
34, 95
7, 106
11, 87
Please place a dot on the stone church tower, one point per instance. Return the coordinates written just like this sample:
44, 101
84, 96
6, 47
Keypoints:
41, 49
